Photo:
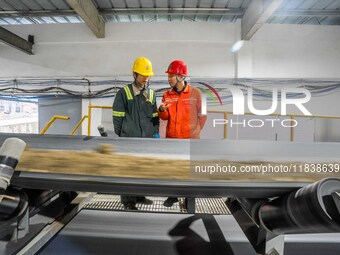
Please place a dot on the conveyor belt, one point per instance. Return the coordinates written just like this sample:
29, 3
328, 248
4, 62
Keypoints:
237, 150
134, 233
153, 187
106, 232
114, 232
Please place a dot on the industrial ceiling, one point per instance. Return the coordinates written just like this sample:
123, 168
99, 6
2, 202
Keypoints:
96, 13
15, 12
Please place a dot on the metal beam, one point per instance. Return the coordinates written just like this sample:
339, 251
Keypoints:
256, 15
169, 11
15, 41
176, 11
307, 13
222, 12
129, 11
89, 13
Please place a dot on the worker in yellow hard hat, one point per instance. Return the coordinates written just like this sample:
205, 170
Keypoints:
135, 114
142, 66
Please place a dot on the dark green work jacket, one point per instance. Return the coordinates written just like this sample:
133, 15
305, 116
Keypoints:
135, 116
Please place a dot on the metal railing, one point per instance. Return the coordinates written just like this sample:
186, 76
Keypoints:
89, 118
55, 117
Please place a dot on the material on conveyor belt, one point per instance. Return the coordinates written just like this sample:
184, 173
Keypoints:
139, 146
238, 150
159, 151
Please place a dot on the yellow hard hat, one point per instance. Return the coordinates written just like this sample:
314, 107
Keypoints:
142, 66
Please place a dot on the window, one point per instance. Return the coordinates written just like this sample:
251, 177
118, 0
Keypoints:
18, 116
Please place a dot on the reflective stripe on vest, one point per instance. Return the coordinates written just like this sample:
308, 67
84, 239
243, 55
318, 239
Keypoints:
152, 95
128, 93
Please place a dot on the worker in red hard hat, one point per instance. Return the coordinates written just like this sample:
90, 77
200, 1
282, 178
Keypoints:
181, 107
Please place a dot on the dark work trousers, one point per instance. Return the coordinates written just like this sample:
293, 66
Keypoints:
125, 200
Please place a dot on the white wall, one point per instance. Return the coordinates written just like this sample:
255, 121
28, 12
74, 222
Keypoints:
296, 51
276, 51
72, 50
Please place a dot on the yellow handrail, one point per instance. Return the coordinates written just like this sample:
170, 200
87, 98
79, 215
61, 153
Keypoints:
78, 125
89, 114
51, 121
90, 107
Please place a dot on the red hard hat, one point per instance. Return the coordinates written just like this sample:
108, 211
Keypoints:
177, 67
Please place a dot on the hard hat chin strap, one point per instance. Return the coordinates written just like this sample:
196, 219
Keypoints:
179, 80
147, 84
139, 86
